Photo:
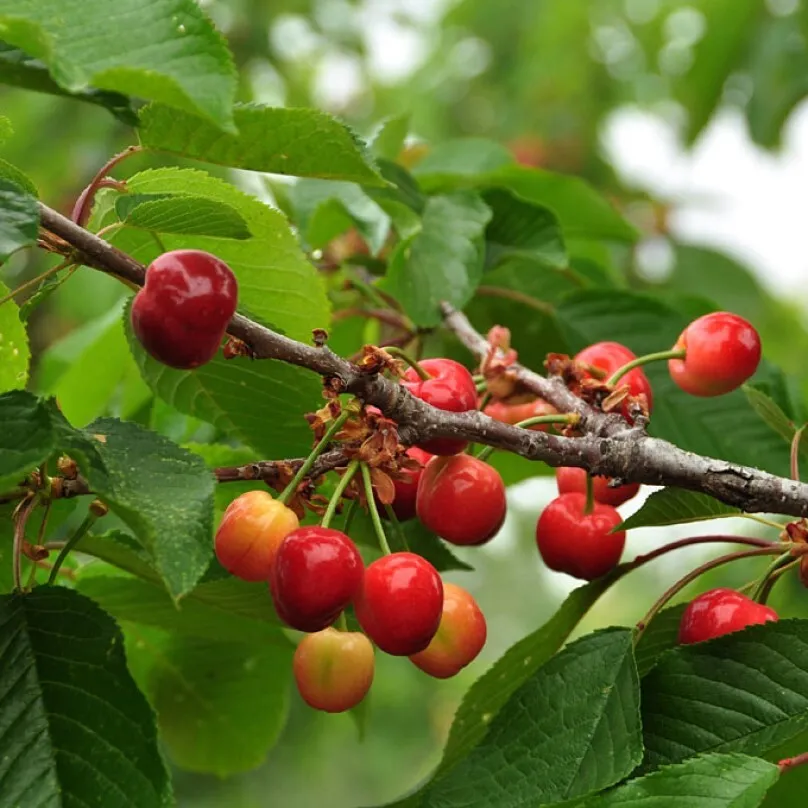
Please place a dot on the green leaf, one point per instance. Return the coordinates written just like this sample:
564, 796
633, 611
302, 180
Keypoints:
76, 729
729, 27
14, 175
743, 692
661, 635
22, 70
122, 551
27, 437
14, 351
227, 609
390, 136
442, 262
572, 729
324, 209
165, 495
717, 781
19, 222
188, 215
464, 157
520, 229
220, 705
768, 410
276, 140
166, 51
675, 506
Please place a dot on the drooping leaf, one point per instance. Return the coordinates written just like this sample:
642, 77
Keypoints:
165, 51
661, 635
743, 692
121, 551
444, 261
277, 140
14, 351
770, 412
717, 781
76, 729
165, 495
570, 730
220, 705
675, 506
19, 218
389, 138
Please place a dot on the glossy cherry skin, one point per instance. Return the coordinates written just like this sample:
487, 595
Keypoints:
406, 490
611, 356
460, 638
514, 413
400, 603
721, 611
181, 314
573, 480
251, 530
579, 543
462, 499
316, 574
333, 669
723, 351
450, 388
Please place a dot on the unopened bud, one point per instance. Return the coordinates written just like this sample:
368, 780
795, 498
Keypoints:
98, 508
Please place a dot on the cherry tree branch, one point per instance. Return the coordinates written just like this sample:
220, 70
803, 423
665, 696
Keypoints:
608, 446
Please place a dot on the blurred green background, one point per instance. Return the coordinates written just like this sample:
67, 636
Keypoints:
576, 86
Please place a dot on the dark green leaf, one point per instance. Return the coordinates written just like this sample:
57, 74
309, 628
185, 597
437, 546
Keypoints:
675, 506
444, 261
570, 730
770, 412
165, 51
27, 437
661, 635
190, 215
277, 140
19, 219
21, 70
121, 551
14, 351
76, 729
744, 692
522, 229
220, 705
164, 493
717, 781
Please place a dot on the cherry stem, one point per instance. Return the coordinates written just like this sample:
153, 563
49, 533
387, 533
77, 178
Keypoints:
692, 541
568, 418
753, 517
336, 425
41, 277
413, 363
342, 622
81, 210
770, 549
589, 505
21, 514
368, 290
792, 762
675, 353
399, 531
374, 511
762, 589
795, 452
338, 492
484, 401
386, 316
81, 532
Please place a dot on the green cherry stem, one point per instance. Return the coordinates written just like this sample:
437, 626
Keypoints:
342, 622
332, 430
589, 505
81, 531
795, 452
374, 511
404, 356
568, 418
485, 400
675, 353
672, 591
347, 476
399, 531
762, 589
762, 520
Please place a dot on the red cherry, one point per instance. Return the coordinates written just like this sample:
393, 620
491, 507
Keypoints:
450, 388
723, 351
611, 356
721, 611
404, 503
573, 480
316, 574
579, 543
400, 603
514, 413
251, 530
181, 314
461, 499
460, 638
333, 669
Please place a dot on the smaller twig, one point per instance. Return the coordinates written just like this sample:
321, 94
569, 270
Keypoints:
792, 762
84, 204
516, 296
33, 281
386, 316
97, 509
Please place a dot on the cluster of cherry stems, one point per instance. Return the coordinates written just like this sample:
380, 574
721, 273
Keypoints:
400, 601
